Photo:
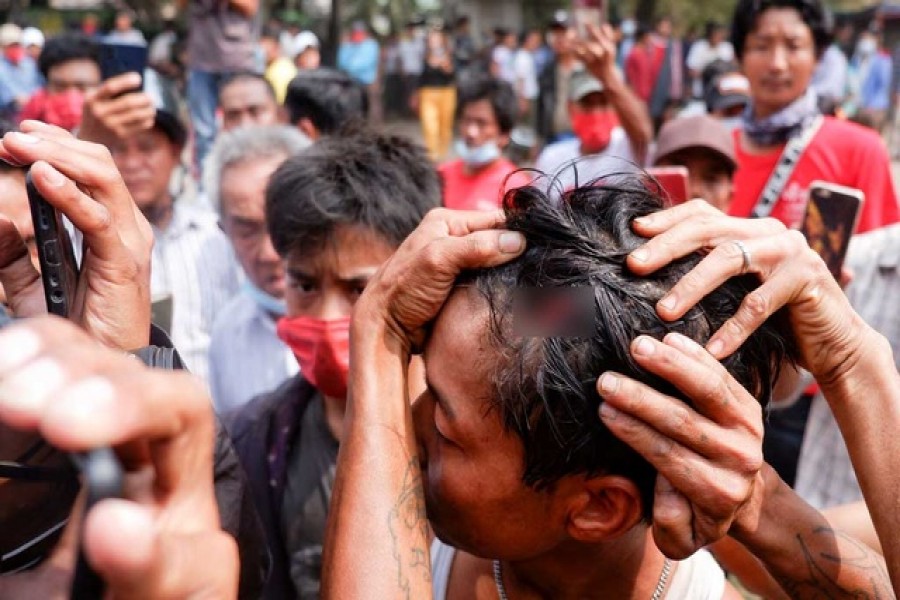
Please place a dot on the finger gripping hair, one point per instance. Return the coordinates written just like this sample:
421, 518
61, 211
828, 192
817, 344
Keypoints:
545, 387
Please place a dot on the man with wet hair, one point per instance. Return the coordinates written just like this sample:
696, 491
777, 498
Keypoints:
527, 491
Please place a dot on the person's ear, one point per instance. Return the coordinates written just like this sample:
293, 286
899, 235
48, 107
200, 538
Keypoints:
503, 141
607, 507
307, 128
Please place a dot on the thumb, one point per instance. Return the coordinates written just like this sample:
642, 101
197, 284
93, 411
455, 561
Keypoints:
20, 280
137, 559
480, 249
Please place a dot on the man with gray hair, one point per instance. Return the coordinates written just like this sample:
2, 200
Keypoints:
246, 357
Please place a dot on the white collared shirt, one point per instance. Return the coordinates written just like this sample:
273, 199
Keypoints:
194, 263
246, 357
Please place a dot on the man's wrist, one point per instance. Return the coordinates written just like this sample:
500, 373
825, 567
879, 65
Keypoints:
864, 372
755, 518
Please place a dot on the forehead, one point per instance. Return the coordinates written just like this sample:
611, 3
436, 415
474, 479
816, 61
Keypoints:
459, 354
349, 251
246, 180
79, 69
479, 110
774, 20
245, 92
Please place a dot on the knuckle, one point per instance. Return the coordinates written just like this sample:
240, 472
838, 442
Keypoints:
756, 304
432, 257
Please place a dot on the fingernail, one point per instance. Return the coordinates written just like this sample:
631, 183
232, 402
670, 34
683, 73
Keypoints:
607, 412
25, 138
644, 221
17, 347
716, 347
27, 391
54, 177
644, 347
669, 302
609, 383
641, 255
511, 242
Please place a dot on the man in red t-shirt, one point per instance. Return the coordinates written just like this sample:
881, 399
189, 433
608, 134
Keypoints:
644, 63
840, 152
478, 179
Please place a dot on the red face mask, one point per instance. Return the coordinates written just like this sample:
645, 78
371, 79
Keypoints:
357, 36
322, 349
594, 128
14, 54
62, 110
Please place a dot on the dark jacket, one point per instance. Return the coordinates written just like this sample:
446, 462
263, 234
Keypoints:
263, 432
546, 101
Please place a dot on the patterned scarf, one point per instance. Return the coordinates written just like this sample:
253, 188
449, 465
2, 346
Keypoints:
781, 126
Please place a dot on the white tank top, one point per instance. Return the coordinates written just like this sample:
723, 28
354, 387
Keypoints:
696, 578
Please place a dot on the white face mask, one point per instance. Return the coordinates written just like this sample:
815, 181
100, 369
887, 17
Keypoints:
867, 46
481, 155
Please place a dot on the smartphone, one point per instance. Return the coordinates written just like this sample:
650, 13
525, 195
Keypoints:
832, 213
588, 12
102, 478
674, 182
117, 58
59, 270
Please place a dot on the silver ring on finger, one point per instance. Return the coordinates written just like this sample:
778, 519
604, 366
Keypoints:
745, 254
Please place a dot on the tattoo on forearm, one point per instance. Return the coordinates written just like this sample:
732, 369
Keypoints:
408, 525
825, 555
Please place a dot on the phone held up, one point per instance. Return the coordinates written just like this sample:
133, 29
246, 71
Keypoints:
101, 473
832, 213
588, 13
674, 183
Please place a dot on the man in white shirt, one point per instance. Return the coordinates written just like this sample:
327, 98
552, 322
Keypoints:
246, 358
526, 85
503, 57
712, 47
193, 269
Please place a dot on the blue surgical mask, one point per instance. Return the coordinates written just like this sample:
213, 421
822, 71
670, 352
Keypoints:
481, 155
265, 301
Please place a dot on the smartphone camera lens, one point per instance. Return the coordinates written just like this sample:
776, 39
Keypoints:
56, 296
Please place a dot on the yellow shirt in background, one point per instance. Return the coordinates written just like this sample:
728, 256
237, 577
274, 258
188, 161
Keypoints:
279, 74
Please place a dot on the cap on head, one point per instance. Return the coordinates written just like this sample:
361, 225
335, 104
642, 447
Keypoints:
701, 131
727, 91
581, 84
32, 36
304, 40
10, 34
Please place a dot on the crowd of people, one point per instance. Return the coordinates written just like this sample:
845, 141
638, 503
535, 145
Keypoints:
507, 362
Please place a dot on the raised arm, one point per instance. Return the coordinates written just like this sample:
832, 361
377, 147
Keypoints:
598, 53
376, 544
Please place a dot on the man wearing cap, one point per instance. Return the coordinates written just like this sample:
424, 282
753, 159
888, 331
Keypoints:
705, 147
553, 82
33, 41
727, 96
305, 50
19, 75
611, 124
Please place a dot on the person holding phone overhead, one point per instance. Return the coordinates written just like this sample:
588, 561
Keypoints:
785, 143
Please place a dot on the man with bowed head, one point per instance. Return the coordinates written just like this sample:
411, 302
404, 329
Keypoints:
335, 212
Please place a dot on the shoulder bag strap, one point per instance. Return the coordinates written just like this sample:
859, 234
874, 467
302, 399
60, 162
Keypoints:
794, 149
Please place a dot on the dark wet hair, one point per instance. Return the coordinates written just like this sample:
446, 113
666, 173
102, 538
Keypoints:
813, 12
545, 387
383, 183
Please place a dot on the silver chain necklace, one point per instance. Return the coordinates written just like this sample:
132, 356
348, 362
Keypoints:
657, 593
